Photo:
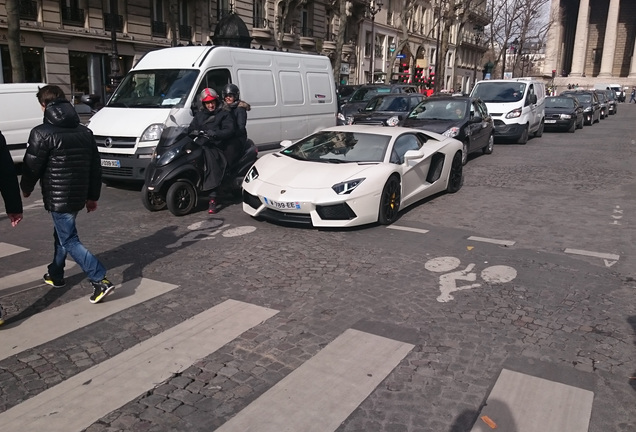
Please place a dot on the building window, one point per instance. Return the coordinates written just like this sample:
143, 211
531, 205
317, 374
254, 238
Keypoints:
71, 13
28, 10
185, 30
108, 17
223, 9
158, 24
259, 15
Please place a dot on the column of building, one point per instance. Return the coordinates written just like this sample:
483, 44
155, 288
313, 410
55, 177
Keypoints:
553, 54
609, 43
580, 39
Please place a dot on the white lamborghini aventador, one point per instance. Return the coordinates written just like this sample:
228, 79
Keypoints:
352, 175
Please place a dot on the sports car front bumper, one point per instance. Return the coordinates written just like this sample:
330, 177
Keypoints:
316, 207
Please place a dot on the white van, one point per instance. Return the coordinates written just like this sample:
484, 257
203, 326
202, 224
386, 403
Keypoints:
21, 112
517, 106
291, 95
617, 88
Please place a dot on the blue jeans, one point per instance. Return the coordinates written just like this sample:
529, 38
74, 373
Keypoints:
67, 242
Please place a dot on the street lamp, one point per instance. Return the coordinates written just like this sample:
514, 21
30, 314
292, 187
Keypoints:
114, 56
374, 7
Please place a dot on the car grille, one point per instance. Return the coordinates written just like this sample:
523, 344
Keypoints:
369, 122
335, 212
496, 114
553, 116
251, 200
278, 216
116, 142
122, 172
499, 123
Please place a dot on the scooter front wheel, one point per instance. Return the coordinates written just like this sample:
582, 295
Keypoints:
181, 198
152, 200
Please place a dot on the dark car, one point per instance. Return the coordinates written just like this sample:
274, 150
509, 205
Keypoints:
591, 105
344, 92
361, 97
612, 101
602, 99
461, 117
563, 113
387, 110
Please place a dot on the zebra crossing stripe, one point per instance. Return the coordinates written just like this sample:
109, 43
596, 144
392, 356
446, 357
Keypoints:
520, 402
32, 275
7, 249
83, 399
323, 391
53, 323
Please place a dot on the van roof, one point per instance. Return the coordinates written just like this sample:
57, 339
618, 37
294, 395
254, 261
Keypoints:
21, 87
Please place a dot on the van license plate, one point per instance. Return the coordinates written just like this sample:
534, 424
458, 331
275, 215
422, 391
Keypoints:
111, 163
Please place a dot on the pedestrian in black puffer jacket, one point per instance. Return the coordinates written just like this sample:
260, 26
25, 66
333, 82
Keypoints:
62, 155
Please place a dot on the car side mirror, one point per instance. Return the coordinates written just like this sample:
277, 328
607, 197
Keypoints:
414, 154
476, 118
286, 143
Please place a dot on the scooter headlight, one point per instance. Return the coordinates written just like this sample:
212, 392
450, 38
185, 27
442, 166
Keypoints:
167, 157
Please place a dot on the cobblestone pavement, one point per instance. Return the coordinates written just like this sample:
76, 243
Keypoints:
563, 316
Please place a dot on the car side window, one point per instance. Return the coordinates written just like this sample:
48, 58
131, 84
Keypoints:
403, 144
483, 110
530, 93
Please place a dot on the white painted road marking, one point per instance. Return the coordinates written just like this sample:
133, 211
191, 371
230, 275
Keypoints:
83, 399
326, 389
523, 403
608, 259
493, 241
53, 323
403, 228
7, 249
32, 275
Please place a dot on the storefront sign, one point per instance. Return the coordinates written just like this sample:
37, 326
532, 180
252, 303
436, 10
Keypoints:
344, 69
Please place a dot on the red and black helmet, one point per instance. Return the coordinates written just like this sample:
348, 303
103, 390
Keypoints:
208, 95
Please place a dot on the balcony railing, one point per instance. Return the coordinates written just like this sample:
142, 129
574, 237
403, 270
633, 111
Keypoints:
260, 23
73, 16
185, 32
159, 29
108, 22
306, 32
28, 10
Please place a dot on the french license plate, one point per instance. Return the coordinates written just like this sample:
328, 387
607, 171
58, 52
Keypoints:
282, 205
550, 121
111, 163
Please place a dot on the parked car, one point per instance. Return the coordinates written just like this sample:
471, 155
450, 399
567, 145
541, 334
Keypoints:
602, 100
361, 97
352, 175
591, 105
344, 92
563, 113
387, 110
612, 102
461, 117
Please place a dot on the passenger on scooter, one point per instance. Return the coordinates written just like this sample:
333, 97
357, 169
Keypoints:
232, 97
217, 123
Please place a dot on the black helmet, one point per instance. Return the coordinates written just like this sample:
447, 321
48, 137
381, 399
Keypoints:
231, 89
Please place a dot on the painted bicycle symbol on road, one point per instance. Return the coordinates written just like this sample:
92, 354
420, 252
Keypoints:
448, 281
209, 229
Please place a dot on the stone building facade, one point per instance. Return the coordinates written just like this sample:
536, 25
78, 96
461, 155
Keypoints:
592, 41
68, 42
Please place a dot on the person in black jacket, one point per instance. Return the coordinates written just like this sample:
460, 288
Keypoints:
239, 108
10, 191
217, 123
62, 155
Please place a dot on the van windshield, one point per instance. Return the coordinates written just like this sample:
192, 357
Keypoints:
165, 88
499, 91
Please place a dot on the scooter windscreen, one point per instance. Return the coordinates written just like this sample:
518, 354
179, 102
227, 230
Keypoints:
174, 142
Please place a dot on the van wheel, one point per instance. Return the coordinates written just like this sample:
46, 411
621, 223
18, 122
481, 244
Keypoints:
539, 131
152, 200
524, 136
181, 198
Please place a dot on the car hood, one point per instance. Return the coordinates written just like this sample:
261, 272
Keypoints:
351, 108
549, 111
439, 126
285, 171
108, 121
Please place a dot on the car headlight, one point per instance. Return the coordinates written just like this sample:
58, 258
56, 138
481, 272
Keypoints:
514, 113
152, 132
349, 120
566, 116
341, 117
346, 187
252, 174
393, 121
452, 132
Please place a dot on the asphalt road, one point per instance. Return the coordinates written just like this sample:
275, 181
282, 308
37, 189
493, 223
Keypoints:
528, 270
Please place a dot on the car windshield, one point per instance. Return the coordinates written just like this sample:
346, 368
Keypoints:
165, 88
388, 103
366, 93
559, 102
499, 91
431, 109
339, 147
